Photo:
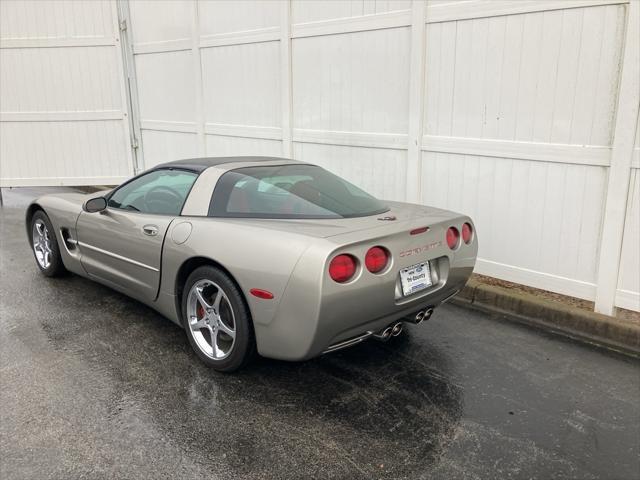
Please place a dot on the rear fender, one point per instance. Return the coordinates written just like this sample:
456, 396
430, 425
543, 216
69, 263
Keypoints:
253, 258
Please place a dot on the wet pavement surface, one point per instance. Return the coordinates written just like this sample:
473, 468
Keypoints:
95, 385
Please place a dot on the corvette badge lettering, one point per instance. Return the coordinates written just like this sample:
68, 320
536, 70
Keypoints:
417, 250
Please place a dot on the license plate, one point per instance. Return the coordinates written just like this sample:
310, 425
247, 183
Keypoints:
415, 278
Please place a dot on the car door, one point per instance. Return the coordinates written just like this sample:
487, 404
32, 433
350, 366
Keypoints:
122, 244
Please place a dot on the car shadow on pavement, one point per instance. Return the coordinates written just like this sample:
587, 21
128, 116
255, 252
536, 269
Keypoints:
376, 409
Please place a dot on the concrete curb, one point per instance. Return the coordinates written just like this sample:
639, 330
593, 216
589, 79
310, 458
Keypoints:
525, 308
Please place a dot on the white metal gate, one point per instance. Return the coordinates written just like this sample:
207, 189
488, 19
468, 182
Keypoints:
63, 118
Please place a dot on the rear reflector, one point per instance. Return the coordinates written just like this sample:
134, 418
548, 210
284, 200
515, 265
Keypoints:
258, 292
453, 238
376, 259
342, 268
467, 231
417, 231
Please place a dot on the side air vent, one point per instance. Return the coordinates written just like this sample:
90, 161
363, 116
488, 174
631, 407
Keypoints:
69, 242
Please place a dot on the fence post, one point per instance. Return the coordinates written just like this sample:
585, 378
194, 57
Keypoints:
285, 77
197, 71
620, 166
416, 102
128, 72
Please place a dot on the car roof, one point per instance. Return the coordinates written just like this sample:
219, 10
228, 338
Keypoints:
200, 164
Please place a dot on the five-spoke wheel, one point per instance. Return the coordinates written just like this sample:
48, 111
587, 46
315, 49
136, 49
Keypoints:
217, 319
211, 319
45, 246
41, 243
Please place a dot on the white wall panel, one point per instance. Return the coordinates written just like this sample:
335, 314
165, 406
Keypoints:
222, 145
226, 16
163, 146
155, 21
304, 11
59, 79
376, 170
166, 83
628, 295
241, 84
529, 77
536, 218
64, 118
439, 3
355, 82
540, 86
206, 81
55, 19
63, 153
166, 86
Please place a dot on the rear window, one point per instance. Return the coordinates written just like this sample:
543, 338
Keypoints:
290, 191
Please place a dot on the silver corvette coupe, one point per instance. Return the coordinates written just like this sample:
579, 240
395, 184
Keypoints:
258, 254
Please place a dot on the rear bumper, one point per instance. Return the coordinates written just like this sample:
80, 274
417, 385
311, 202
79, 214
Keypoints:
330, 337
315, 312
299, 332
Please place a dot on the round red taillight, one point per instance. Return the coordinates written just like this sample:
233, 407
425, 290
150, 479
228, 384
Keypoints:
467, 231
342, 268
453, 238
376, 259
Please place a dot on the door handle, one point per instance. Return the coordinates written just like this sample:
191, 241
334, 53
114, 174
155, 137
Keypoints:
150, 230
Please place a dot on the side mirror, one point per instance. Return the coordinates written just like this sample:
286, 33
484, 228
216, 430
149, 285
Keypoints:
94, 205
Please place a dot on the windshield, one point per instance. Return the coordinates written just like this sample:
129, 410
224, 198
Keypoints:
290, 191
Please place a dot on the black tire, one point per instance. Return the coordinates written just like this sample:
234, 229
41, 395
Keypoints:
55, 267
244, 346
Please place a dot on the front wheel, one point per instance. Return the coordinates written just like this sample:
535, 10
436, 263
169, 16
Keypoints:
217, 320
45, 246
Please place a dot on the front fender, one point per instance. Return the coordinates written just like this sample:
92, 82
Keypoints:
63, 210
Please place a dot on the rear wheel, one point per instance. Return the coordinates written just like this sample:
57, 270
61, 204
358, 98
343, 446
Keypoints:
217, 320
45, 246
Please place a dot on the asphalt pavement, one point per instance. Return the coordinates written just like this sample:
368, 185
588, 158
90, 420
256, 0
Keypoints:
95, 385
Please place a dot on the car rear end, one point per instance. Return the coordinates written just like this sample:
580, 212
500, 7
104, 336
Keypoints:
381, 270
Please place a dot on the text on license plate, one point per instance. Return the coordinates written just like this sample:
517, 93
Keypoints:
415, 278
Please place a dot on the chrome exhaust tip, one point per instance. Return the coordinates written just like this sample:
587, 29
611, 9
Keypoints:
397, 329
383, 335
420, 317
427, 313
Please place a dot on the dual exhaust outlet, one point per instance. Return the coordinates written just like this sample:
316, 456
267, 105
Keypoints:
395, 329
421, 316
392, 330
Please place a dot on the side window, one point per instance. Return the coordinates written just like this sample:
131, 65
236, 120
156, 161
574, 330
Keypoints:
160, 191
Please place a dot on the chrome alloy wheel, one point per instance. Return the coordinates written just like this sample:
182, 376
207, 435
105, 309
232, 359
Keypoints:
42, 244
211, 319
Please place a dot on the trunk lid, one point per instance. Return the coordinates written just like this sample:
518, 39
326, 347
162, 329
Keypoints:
401, 216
